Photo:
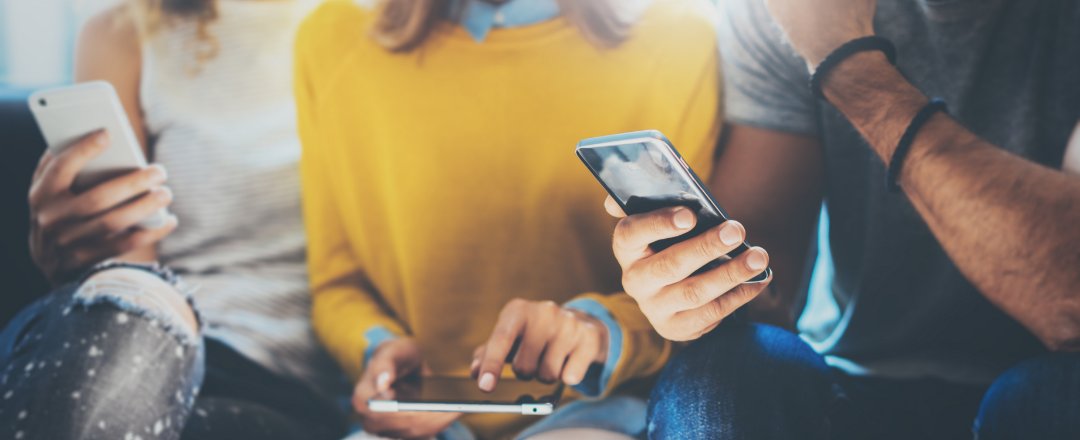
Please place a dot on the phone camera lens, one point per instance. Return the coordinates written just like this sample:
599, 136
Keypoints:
43, 102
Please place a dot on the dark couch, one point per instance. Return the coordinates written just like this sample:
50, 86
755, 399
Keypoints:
21, 146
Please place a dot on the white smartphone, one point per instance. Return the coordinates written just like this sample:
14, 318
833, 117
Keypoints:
67, 114
454, 394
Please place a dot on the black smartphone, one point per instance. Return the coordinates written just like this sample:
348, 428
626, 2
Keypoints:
643, 172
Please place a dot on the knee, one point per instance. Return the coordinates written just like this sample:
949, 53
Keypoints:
143, 294
1038, 398
738, 369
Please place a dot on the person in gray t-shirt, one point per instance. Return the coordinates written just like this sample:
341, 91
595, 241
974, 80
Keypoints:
953, 300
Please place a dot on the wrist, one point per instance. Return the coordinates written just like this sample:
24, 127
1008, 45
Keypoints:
875, 97
602, 335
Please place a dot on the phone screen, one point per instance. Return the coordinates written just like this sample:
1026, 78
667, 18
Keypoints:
465, 390
645, 176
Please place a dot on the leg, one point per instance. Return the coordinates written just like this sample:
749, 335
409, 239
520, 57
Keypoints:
615, 417
241, 399
1039, 398
114, 357
743, 381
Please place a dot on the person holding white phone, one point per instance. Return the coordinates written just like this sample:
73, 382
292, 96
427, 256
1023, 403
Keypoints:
123, 348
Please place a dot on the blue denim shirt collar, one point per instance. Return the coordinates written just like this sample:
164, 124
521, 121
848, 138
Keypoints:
479, 17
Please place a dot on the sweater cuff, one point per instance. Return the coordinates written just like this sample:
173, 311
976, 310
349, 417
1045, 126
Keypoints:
596, 379
375, 337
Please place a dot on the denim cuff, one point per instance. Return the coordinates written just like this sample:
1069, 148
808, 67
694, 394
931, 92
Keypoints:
375, 337
596, 379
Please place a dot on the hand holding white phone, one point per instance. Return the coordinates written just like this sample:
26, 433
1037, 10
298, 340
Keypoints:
93, 196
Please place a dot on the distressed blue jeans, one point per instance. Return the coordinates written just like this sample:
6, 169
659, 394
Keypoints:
88, 362
757, 382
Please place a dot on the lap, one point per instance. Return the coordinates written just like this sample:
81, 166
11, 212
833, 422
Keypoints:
743, 381
97, 364
754, 381
1037, 398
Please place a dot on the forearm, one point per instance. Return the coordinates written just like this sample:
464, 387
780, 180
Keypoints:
1009, 225
772, 183
348, 323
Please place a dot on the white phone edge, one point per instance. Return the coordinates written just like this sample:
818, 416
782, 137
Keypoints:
528, 409
116, 112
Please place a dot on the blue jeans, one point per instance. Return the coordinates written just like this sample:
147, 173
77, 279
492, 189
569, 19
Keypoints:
751, 381
79, 367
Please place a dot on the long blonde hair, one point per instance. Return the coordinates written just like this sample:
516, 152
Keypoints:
404, 25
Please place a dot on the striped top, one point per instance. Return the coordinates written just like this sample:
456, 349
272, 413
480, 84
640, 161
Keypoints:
224, 128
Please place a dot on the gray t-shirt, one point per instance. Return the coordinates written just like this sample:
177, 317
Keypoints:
1009, 71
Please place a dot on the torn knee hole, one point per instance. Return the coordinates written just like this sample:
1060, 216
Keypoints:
142, 294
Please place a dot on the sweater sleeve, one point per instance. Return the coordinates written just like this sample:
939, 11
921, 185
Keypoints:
637, 352
348, 315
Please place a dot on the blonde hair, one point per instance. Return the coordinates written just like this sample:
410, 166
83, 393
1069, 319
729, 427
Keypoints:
404, 25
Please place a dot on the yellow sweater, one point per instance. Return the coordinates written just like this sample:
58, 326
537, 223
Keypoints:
440, 184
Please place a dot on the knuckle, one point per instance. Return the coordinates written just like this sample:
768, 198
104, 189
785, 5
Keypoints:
90, 203
710, 314
521, 366
659, 226
503, 332
628, 283
623, 233
734, 272
115, 223
693, 293
709, 245
34, 196
515, 304
665, 265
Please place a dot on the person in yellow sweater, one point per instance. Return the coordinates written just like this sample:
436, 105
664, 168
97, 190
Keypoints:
447, 216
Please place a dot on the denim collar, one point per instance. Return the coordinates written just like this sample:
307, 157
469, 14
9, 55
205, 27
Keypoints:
479, 17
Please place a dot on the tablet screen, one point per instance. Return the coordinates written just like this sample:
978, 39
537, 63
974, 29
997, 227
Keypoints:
465, 390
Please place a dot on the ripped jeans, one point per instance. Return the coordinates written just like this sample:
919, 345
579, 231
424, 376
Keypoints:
103, 359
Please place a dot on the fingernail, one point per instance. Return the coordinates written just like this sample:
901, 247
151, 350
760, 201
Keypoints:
102, 138
382, 381
729, 234
159, 172
162, 192
684, 219
487, 382
756, 260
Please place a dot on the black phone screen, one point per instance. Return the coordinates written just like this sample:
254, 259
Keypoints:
645, 176
454, 389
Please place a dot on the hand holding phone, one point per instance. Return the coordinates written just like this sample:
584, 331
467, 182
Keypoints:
392, 364
684, 261
93, 197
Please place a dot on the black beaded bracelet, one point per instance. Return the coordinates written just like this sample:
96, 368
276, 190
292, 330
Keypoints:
846, 50
896, 163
